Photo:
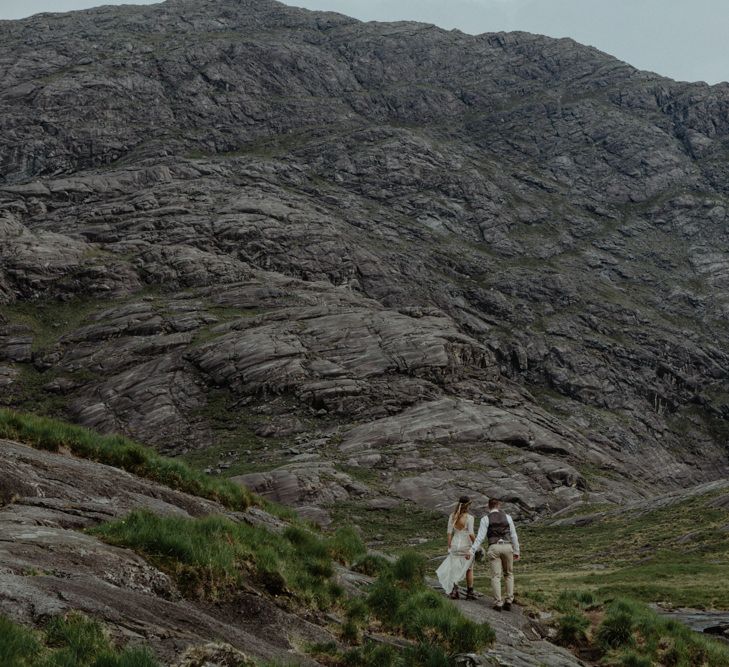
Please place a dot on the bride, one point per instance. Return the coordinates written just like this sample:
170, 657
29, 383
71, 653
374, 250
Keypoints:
460, 537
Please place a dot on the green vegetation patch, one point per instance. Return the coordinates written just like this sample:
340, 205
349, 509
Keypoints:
677, 555
66, 641
211, 557
28, 393
403, 528
234, 429
120, 452
400, 603
627, 633
50, 319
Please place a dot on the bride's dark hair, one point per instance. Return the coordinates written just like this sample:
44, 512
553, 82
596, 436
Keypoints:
461, 508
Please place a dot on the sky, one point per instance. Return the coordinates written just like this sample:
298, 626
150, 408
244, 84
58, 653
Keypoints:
682, 39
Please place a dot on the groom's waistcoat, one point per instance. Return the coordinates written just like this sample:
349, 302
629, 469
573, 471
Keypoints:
498, 528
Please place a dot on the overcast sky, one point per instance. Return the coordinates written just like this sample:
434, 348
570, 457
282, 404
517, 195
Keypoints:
683, 39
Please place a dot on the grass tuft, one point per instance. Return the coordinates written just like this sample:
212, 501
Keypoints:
345, 546
400, 600
372, 655
371, 565
410, 568
18, 646
633, 635
572, 628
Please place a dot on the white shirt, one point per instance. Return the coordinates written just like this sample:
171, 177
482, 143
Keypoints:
484, 526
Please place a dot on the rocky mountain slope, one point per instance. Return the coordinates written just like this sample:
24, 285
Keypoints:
351, 262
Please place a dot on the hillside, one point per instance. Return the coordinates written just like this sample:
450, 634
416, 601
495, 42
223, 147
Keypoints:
348, 262
96, 556
108, 560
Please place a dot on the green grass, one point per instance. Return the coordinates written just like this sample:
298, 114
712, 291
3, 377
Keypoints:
49, 320
372, 654
67, 641
120, 452
676, 556
346, 546
627, 633
233, 426
400, 603
241, 462
397, 528
571, 628
210, 558
27, 392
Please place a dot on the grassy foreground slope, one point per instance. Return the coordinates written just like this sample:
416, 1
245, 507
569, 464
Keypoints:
120, 452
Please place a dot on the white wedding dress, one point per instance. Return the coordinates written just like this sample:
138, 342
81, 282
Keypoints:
453, 569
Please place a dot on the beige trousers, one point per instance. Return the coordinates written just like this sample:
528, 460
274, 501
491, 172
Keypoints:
501, 559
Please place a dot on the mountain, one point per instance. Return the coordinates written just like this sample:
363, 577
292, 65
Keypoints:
352, 263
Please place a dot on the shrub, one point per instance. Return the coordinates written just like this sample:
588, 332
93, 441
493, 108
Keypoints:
571, 628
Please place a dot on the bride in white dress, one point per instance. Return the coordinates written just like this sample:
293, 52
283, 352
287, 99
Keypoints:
460, 537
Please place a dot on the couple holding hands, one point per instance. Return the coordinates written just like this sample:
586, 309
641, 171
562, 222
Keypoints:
497, 527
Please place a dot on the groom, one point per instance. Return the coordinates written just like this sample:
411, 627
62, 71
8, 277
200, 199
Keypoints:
498, 527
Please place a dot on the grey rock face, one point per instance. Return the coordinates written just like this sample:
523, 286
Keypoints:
489, 264
518, 641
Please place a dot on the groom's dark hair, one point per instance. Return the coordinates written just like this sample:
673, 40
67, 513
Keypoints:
494, 502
